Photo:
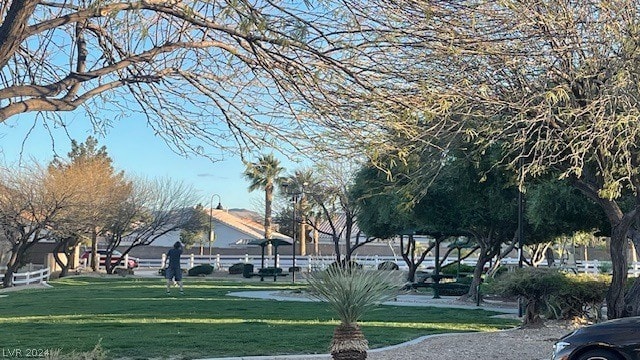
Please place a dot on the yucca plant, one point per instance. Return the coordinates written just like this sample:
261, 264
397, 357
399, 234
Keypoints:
351, 292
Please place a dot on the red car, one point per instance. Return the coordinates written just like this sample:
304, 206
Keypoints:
115, 258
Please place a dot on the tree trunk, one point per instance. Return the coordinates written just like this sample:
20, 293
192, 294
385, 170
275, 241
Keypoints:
411, 275
11, 269
477, 278
56, 256
336, 248
531, 315
303, 236
349, 343
14, 27
95, 260
615, 295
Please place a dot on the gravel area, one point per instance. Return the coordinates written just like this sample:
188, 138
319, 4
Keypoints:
515, 344
527, 344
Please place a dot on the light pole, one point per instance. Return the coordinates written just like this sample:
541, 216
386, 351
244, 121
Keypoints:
293, 257
294, 199
520, 231
219, 207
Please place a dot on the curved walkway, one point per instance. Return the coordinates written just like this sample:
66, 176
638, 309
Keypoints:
401, 300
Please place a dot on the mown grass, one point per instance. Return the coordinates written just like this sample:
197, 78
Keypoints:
133, 318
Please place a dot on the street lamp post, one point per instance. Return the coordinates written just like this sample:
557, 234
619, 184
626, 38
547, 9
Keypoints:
520, 232
219, 207
293, 257
294, 199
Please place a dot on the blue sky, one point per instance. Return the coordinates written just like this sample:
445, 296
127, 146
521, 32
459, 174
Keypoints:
134, 149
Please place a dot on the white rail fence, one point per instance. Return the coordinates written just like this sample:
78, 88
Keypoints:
308, 263
29, 277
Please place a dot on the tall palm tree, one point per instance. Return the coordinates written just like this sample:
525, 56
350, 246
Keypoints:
264, 174
301, 182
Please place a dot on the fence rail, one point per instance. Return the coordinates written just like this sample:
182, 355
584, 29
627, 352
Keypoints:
223, 262
29, 277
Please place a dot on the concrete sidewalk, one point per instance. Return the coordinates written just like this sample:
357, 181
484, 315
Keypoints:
401, 300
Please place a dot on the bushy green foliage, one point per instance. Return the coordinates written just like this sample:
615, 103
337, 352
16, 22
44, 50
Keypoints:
343, 264
452, 289
203, 269
533, 285
551, 292
236, 268
452, 269
247, 270
388, 265
351, 292
580, 295
605, 267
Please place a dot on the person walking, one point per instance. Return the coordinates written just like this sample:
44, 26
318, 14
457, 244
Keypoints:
173, 272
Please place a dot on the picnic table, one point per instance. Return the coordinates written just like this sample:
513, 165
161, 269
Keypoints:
433, 281
270, 271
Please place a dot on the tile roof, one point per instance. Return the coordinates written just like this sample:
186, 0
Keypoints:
250, 227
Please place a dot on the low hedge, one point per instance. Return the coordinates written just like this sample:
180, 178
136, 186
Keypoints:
452, 269
343, 264
237, 268
452, 289
203, 269
388, 265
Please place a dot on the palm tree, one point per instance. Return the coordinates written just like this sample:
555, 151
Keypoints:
300, 182
263, 175
351, 292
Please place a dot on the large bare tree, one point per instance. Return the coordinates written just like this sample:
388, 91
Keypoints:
203, 74
153, 208
31, 203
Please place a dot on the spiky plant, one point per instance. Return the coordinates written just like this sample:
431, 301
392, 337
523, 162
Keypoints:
351, 292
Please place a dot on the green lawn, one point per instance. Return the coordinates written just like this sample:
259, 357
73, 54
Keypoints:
134, 318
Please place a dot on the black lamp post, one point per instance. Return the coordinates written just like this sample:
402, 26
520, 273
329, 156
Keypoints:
520, 231
293, 245
219, 207
294, 199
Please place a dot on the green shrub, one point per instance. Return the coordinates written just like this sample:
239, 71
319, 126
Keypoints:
247, 270
580, 296
553, 293
236, 268
500, 270
388, 265
533, 285
452, 289
270, 271
452, 269
342, 264
203, 269
605, 267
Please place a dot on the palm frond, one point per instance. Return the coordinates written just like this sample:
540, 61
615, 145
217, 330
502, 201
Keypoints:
352, 292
